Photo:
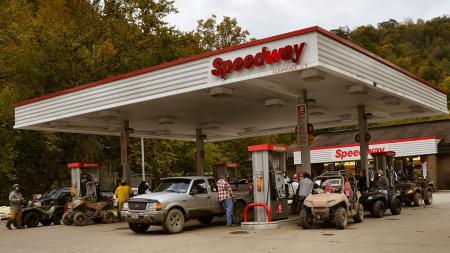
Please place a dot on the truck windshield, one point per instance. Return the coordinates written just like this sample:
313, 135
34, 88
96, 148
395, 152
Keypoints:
50, 193
178, 185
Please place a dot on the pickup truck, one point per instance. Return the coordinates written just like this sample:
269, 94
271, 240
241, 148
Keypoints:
176, 200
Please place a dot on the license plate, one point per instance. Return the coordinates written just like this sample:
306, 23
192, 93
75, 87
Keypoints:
135, 216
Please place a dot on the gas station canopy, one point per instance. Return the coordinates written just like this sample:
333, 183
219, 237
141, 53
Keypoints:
242, 91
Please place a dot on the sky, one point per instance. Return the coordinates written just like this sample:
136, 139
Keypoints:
265, 18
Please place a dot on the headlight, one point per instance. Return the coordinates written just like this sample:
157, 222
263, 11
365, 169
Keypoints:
410, 191
125, 206
370, 198
154, 206
38, 203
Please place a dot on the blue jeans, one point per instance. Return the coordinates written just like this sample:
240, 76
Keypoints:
227, 204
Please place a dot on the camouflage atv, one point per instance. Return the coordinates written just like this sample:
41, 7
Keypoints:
328, 201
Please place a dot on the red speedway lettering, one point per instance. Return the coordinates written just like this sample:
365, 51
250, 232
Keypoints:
341, 154
293, 53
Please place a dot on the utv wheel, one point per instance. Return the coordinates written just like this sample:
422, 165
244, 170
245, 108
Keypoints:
378, 209
417, 199
340, 218
57, 216
396, 206
108, 217
139, 228
46, 222
174, 222
238, 213
80, 219
429, 198
205, 219
306, 219
358, 218
31, 219
67, 219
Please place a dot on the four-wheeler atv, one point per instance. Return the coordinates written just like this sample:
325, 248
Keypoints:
82, 210
52, 205
414, 191
330, 203
377, 200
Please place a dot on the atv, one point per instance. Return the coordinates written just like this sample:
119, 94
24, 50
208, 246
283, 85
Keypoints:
82, 210
377, 200
52, 205
415, 191
329, 202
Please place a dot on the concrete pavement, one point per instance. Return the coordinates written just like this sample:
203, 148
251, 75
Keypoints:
423, 229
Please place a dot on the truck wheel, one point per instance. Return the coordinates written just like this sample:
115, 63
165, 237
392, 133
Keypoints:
340, 218
80, 219
67, 219
174, 222
238, 213
138, 228
205, 219
396, 206
378, 209
417, 199
429, 198
358, 218
46, 222
31, 219
108, 217
57, 216
306, 219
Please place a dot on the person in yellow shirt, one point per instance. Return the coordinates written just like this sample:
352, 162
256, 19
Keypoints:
123, 193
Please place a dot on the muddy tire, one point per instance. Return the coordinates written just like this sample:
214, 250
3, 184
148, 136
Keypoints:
396, 206
57, 216
238, 213
359, 216
428, 198
80, 219
138, 228
174, 222
378, 209
341, 218
305, 219
46, 222
108, 217
67, 219
417, 200
31, 219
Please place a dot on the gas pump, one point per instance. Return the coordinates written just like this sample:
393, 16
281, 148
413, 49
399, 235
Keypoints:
86, 177
269, 167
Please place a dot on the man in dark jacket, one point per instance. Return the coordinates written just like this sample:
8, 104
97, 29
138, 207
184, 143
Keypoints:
15, 200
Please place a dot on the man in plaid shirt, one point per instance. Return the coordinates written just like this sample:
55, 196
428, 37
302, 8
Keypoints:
226, 197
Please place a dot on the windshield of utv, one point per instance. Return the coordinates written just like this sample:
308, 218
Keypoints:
178, 185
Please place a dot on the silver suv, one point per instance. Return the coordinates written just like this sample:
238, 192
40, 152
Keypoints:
176, 200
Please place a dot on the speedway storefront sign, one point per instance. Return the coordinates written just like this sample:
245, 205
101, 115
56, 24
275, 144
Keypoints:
351, 152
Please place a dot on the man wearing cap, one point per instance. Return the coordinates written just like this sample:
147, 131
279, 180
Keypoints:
15, 200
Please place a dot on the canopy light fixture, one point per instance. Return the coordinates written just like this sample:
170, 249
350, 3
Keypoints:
311, 102
166, 120
313, 75
357, 90
220, 92
108, 114
391, 101
274, 102
212, 125
316, 111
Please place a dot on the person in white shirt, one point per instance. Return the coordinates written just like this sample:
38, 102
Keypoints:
425, 169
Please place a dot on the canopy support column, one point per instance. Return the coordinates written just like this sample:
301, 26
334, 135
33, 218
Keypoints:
363, 144
125, 154
199, 137
302, 132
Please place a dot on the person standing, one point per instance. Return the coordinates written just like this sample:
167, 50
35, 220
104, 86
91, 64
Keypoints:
305, 188
123, 193
424, 170
15, 202
226, 197
143, 188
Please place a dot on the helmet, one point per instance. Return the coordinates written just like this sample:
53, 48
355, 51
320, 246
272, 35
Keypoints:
15, 185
